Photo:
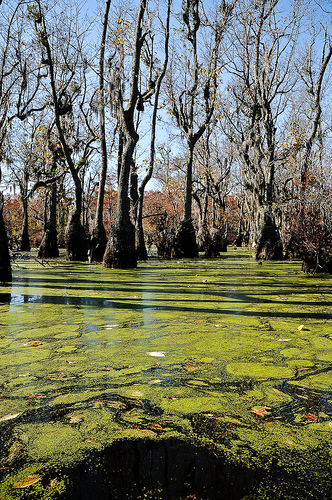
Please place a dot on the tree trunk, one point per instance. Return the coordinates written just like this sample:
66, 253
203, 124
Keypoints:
24, 240
75, 237
140, 246
137, 199
120, 250
269, 245
76, 242
185, 240
49, 244
5, 267
99, 240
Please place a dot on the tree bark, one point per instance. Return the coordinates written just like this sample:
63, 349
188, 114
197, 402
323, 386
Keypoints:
75, 237
269, 246
185, 239
120, 250
139, 232
49, 244
5, 266
99, 240
24, 238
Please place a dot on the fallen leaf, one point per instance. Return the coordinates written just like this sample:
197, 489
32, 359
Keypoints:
300, 327
156, 427
35, 344
311, 417
157, 354
27, 481
53, 484
75, 420
261, 410
10, 416
288, 441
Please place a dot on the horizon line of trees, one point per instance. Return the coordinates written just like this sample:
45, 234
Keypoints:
224, 104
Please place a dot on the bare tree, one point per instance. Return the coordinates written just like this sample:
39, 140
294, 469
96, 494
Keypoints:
198, 90
156, 77
64, 90
20, 80
261, 62
120, 251
99, 239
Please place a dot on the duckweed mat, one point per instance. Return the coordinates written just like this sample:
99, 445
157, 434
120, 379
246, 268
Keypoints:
194, 379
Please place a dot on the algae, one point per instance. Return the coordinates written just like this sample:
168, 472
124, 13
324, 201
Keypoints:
246, 366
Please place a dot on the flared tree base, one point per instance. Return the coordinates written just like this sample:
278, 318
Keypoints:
120, 250
49, 244
312, 264
98, 244
269, 244
5, 266
25, 243
185, 244
141, 252
76, 242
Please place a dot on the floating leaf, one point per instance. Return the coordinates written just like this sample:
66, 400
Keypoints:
261, 410
156, 427
10, 416
53, 484
27, 481
157, 354
75, 420
311, 417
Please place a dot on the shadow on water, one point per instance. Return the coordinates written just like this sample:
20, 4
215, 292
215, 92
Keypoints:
169, 470
156, 304
173, 469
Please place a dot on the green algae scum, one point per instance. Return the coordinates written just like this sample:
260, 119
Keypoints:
199, 379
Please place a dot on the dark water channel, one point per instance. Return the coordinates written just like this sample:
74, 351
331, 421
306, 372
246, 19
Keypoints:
179, 380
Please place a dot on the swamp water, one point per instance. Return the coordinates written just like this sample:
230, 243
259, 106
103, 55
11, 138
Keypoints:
199, 379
